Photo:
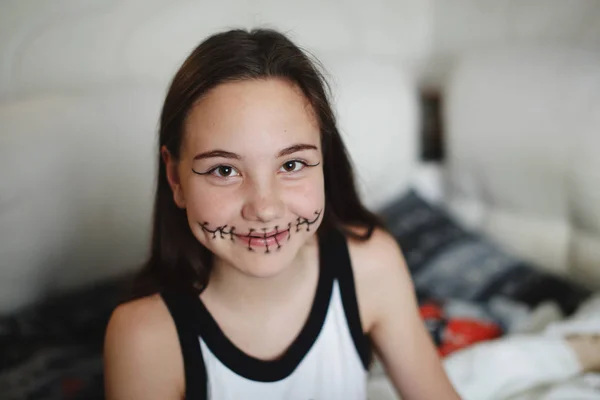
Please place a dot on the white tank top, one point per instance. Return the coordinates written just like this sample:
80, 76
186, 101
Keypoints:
328, 360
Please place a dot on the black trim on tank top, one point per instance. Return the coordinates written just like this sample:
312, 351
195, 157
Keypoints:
193, 321
181, 307
273, 370
345, 278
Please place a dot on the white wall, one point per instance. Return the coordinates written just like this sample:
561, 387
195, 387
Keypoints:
70, 44
107, 41
81, 85
461, 26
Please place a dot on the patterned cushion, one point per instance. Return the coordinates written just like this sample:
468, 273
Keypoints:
53, 350
450, 262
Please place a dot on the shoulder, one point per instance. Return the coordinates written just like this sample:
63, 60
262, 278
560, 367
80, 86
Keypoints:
146, 320
389, 313
376, 259
140, 340
380, 246
379, 271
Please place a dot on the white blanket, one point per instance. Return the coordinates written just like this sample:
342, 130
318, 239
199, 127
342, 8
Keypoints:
520, 367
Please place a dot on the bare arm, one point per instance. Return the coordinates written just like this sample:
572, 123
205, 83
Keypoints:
142, 359
393, 321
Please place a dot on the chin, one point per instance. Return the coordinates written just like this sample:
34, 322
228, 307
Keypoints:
265, 265
258, 262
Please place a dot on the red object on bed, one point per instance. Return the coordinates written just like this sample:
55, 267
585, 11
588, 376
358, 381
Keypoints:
461, 332
451, 333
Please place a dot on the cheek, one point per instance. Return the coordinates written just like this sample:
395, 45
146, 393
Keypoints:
213, 205
303, 200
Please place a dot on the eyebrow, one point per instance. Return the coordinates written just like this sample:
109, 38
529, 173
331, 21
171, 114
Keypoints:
295, 148
216, 153
227, 154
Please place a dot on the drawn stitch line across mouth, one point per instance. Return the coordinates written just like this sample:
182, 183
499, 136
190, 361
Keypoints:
223, 232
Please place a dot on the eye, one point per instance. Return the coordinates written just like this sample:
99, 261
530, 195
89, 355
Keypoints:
224, 171
293, 166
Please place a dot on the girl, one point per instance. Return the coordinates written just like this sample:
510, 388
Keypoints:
268, 279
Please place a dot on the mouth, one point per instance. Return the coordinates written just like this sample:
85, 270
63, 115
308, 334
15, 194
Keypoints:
271, 240
268, 239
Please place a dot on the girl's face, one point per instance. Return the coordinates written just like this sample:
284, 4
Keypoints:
250, 174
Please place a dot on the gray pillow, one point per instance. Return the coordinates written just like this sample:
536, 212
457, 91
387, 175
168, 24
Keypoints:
450, 262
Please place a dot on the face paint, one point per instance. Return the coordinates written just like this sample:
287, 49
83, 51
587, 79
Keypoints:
255, 239
221, 230
304, 221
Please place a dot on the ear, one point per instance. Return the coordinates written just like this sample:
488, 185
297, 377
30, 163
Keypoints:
173, 176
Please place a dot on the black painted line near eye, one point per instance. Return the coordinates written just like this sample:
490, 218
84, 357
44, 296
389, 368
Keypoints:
201, 173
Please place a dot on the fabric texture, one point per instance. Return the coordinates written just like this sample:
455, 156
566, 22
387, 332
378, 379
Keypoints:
469, 289
450, 262
53, 350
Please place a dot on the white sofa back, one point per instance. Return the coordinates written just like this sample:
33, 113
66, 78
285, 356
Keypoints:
81, 86
71, 44
523, 137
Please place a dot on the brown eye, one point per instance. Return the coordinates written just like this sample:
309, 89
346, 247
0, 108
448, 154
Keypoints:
224, 171
290, 166
295, 166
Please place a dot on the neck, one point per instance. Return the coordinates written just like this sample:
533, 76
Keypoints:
238, 291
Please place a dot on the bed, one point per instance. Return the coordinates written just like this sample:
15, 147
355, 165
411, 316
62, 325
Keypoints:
513, 231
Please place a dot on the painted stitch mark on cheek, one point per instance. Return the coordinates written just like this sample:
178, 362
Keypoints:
221, 230
307, 222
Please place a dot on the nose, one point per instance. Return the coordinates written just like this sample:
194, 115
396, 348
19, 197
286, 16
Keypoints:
263, 204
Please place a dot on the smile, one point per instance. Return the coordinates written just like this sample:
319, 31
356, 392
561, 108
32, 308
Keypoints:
271, 240
268, 240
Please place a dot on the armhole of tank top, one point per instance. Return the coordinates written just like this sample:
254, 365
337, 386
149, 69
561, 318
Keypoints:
345, 278
180, 308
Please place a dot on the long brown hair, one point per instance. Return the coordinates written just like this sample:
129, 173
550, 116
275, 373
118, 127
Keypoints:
177, 258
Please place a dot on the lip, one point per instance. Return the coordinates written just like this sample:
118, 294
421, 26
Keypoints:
272, 239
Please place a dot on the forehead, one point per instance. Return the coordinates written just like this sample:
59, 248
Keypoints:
256, 116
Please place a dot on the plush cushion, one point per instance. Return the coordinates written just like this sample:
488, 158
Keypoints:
522, 134
449, 262
77, 176
376, 106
